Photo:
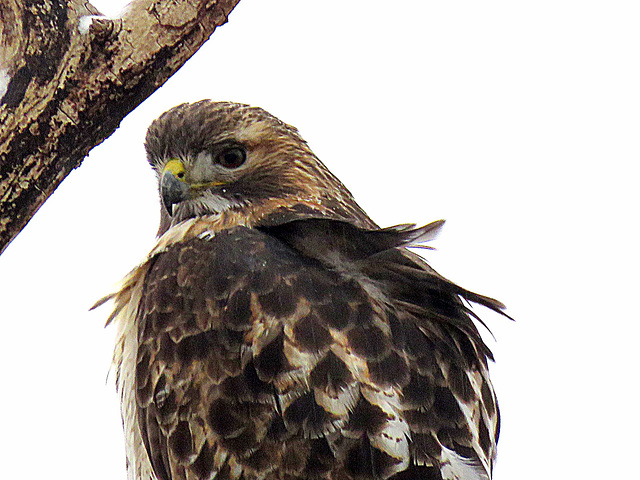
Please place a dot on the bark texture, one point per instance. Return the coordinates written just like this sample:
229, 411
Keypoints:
68, 76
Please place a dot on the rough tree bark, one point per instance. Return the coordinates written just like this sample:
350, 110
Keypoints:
67, 79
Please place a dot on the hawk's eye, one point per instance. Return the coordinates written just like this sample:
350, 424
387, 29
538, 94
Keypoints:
231, 157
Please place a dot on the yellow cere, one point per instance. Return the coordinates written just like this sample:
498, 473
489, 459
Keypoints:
176, 167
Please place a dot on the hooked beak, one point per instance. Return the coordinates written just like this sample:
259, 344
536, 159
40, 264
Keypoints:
173, 186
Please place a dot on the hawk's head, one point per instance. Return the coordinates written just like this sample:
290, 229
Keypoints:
215, 157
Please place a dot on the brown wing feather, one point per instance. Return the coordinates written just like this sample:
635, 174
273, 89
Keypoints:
259, 358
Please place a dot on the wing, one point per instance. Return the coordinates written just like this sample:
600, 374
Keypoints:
301, 352
446, 397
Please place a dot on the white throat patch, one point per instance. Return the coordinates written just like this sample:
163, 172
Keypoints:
207, 204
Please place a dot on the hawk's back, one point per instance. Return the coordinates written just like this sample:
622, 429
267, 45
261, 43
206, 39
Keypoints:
277, 353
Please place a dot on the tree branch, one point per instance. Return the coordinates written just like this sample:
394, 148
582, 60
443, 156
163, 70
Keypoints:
67, 79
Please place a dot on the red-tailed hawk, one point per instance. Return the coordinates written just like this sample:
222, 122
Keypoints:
275, 332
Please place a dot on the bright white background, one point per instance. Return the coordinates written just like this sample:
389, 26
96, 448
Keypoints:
516, 121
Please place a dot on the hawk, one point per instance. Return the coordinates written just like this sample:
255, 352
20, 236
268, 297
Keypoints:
275, 332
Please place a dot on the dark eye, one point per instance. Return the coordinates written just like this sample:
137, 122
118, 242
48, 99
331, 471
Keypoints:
231, 157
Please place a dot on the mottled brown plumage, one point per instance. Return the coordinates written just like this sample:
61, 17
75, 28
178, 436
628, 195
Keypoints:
275, 332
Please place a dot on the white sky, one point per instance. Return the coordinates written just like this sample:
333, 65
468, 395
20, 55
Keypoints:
516, 121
